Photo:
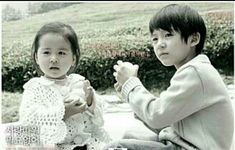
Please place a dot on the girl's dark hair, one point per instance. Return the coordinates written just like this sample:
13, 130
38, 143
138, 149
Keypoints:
59, 28
182, 19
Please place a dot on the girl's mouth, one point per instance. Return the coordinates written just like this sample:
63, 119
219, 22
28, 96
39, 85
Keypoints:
54, 68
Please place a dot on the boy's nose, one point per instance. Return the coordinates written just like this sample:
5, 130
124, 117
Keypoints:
162, 45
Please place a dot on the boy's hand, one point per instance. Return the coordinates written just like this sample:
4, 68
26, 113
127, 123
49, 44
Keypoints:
117, 87
124, 70
89, 93
73, 107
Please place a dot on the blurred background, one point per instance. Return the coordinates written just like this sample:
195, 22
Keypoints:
107, 31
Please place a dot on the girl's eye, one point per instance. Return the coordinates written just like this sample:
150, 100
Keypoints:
62, 53
46, 52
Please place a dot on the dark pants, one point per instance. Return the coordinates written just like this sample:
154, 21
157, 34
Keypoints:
81, 147
140, 140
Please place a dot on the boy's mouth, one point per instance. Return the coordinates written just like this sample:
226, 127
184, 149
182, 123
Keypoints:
162, 54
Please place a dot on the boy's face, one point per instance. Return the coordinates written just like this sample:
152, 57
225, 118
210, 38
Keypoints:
170, 48
54, 56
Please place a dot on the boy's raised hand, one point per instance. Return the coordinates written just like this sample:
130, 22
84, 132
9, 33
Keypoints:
124, 70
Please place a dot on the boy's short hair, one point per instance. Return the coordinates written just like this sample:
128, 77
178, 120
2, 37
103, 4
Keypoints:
182, 19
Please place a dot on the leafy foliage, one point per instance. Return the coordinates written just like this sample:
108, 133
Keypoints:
219, 44
38, 8
10, 14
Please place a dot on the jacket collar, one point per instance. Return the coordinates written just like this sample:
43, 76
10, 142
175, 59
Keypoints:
199, 58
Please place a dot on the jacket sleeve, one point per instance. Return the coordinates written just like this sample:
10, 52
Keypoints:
183, 97
155, 130
37, 109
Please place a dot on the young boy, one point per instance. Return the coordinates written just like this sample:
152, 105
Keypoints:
195, 111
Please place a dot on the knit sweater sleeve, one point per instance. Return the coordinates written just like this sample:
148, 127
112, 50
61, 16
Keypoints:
95, 111
42, 107
183, 97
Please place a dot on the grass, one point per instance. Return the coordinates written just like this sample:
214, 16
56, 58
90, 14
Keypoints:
94, 20
11, 101
10, 106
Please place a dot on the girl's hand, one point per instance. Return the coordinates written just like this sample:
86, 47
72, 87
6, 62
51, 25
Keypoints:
89, 92
73, 107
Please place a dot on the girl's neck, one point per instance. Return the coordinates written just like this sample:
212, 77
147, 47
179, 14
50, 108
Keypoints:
60, 81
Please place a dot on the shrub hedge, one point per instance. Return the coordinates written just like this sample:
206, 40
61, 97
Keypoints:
97, 66
219, 44
99, 70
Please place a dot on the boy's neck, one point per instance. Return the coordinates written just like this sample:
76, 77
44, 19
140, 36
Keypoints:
187, 59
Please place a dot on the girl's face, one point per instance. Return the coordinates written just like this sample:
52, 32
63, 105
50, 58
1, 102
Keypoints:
170, 48
54, 56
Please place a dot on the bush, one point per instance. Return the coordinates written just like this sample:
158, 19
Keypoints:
219, 44
11, 14
100, 70
38, 8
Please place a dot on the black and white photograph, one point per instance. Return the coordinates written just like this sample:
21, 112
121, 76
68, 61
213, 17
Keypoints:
117, 75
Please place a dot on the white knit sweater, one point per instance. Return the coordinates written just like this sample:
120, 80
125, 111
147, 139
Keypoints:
43, 105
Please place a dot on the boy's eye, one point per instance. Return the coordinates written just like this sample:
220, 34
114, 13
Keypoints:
169, 34
155, 39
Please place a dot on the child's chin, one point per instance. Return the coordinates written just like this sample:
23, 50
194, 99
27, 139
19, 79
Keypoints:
57, 76
166, 64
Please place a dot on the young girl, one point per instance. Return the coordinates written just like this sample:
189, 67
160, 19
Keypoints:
64, 106
195, 111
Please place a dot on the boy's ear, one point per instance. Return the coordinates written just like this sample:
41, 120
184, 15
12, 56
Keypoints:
194, 39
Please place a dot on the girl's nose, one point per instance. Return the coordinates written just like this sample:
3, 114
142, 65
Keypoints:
53, 59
